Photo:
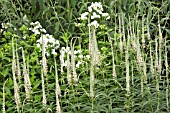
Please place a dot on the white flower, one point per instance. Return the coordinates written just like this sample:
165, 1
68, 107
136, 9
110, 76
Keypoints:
105, 14
53, 52
97, 6
63, 49
38, 45
38, 24
43, 30
75, 52
39, 41
90, 9
108, 18
45, 40
78, 24
80, 56
79, 51
30, 29
9, 24
35, 31
36, 28
3, 25
50, 39
57, 42
31, 23
67, 49
78, 64
99, 11
6, 25
40, 61
95, 15
94, 23
88, 56
84, 16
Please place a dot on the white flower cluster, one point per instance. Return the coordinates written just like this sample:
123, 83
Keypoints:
94, 23
84, 16
77, 55
6, 26
97, 6
95, 11
49, 42
62, 55
37, 28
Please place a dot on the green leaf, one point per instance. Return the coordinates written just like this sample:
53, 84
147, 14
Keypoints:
36, 84
168, 31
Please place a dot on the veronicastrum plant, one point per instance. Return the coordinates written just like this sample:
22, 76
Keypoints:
45, 44
92, 18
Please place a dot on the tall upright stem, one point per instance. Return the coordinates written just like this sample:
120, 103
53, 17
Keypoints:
43, 72
16, 88
57, 90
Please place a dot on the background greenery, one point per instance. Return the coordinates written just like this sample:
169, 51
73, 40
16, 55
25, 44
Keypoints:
129, 18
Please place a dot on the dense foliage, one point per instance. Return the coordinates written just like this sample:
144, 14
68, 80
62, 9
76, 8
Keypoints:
125, 70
